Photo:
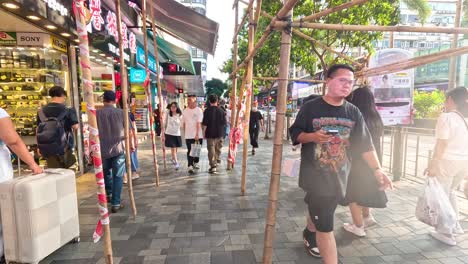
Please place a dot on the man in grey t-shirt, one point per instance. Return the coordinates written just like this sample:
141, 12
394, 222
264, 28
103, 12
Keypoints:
111, 135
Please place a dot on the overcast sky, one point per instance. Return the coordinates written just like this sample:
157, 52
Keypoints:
221, 11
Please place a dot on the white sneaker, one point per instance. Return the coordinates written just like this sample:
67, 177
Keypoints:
358, 231
447, 239
177, 166
135, 176
190, 170
369, 221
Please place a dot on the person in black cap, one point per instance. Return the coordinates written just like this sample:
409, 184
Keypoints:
192, 117
111, 135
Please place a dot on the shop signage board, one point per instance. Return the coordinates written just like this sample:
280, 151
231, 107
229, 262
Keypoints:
58, 44
7, 38
57, 6
104, 21
32, 39
141, 59
174, 69
137, 75
59, 12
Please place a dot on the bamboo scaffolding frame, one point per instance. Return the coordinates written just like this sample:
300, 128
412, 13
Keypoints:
289, 80
318, 43
148, 94
234, 79
266, 34
94, 131
124, 89
413, 62
158, 80
452, 76
331, 10
283, 79
341, 27
270, 221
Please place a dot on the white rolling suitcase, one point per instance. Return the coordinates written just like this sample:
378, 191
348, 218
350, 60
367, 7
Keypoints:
39, 215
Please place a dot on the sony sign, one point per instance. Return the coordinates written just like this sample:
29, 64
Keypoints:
55, 5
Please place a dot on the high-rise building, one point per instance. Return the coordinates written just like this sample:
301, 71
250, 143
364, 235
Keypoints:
431, 76
442, 15
198, 55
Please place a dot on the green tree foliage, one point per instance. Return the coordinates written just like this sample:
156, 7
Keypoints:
215, 86
305, 54
428, 105
420, 6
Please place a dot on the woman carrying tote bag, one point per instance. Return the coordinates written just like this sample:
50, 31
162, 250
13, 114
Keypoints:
449, 163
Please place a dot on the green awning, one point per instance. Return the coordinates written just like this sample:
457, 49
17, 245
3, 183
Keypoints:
169, 52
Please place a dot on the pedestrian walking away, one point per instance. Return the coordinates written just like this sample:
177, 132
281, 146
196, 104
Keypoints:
255, 125
172, 138
55, 126
330, 130
110, 122
449, 162
192, 117
214, 122
363, 189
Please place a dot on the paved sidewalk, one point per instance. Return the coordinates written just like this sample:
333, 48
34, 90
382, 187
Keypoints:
203, 219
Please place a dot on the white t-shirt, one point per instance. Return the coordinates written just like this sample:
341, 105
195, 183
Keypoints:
450, 126
6, 168
173, 124
190, 117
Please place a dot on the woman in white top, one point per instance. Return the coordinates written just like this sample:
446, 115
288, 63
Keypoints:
450, 160
9, 137
172, 138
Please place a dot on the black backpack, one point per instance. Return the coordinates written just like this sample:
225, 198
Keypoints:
52, 139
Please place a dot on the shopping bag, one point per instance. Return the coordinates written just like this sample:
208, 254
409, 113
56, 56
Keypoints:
434, 208
291, 167
195, 150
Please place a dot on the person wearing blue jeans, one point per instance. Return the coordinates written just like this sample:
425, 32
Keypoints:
111, 135
114, 169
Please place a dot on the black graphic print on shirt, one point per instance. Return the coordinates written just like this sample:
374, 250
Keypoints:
332, 156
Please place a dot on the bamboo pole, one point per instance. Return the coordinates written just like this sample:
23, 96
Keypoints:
248, 100
158, 77
149, 94
331, 10
124, 88
234, 82
452, 77
392, 40
270, 221
289, 80
281, 14
411, 63
103, 227
341, 27
244, 18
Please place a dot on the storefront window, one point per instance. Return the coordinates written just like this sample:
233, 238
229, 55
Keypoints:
26, 75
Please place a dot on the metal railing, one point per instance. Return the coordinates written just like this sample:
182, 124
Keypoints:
406, 151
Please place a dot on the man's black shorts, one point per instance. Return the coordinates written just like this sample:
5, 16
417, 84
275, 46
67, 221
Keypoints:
321, 211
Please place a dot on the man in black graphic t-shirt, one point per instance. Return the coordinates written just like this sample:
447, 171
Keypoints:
330, 129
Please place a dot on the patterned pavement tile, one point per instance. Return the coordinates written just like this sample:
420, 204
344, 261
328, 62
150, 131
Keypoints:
203, 219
